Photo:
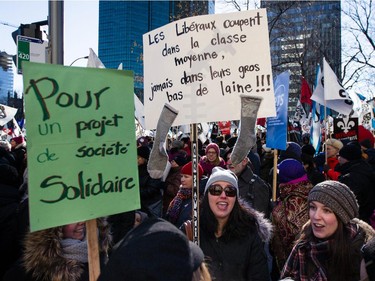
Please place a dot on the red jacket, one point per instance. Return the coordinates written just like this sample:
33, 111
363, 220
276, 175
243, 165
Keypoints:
332, 174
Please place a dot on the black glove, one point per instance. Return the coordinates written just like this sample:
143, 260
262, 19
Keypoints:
326, 168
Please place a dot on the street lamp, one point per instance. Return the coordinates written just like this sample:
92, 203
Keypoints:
85, 57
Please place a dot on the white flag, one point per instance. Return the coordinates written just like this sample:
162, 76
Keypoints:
94, 61
16, 128
300, 114
139, 111
332, 88
343, 106
315, 132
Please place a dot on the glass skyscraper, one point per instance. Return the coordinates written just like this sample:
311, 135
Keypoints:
301, 34
123, 23
6, 77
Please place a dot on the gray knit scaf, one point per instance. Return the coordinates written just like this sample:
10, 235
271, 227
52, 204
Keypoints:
336, 196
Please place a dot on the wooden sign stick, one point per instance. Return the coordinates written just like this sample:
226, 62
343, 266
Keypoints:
93, 249
195, 192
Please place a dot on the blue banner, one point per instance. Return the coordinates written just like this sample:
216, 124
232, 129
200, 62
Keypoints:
277, 126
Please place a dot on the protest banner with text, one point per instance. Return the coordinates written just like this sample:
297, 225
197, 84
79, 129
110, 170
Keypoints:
277, 126
201, 65
81, 149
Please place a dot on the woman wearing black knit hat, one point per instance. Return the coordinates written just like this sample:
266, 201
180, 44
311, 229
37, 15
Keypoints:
329, 247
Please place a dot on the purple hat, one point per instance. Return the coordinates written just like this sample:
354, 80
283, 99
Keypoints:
290, 169
293, 150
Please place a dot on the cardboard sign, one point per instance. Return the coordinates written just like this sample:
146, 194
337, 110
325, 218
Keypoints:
81, 143
201, 65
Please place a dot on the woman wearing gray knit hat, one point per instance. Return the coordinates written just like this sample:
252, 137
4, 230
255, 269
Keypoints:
329, 247
231, 233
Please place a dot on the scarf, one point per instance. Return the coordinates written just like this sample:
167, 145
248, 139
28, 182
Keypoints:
311, 257
318, 253
74, 249
174, 208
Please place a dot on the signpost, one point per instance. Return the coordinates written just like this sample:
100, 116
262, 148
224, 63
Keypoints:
30, 49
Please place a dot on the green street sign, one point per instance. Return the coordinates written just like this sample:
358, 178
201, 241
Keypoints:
30, 49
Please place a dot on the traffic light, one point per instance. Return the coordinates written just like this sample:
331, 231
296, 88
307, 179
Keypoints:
30, 30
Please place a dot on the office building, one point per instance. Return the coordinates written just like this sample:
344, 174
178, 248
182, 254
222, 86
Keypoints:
123, 23
6, 77
301, 34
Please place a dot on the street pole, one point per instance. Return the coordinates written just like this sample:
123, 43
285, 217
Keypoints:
77, 59
56, 31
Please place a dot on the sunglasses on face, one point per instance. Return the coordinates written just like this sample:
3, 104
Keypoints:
216, 190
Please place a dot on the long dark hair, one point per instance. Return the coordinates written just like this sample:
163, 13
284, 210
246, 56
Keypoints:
241, 220
343, 259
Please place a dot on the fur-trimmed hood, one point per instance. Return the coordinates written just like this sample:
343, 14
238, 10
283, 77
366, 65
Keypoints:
44, 258
265, 227
367, 229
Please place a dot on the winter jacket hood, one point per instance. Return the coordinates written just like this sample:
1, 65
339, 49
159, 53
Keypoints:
265, 227
44, 258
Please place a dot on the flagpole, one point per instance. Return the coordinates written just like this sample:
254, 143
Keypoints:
325, 131
325, 116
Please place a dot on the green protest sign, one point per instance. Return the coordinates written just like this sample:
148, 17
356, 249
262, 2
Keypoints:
81, 149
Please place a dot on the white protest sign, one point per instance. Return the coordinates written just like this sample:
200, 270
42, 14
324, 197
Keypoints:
7, 113
201, 65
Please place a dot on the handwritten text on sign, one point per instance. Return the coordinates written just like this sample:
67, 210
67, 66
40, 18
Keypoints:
80, 137
201, 65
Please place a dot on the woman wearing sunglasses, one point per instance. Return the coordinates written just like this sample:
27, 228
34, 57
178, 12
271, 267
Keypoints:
232, 234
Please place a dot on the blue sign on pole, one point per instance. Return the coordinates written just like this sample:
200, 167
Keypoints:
277, 126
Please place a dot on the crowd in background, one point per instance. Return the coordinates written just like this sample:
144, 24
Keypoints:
320, 227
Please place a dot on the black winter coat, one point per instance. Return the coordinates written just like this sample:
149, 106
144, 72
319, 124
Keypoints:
255, 191
150, 189
359, 176
10, 243
239, 259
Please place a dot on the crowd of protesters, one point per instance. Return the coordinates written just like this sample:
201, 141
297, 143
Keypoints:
321, 226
